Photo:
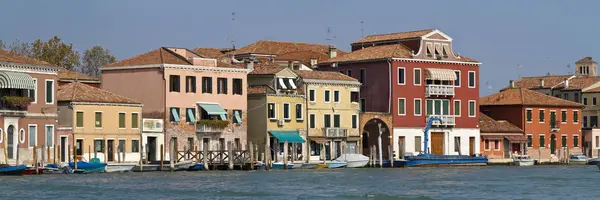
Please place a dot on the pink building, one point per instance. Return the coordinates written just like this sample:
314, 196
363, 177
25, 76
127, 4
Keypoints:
198, 98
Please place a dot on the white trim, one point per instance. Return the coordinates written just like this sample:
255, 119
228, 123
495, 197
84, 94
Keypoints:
301, 113
563, 120
46, 92
420, 76
436, 32
102, 120
474, 107
1, 135
83, 120
474, 79
529, 109
22, 137
274, 118
459, 108
315, 95
404, 107
403, 75
324, 96
139, 120
459, 78
175, 66
313, 121
125, 120
33, 69
339, 99
46, 133
488, 145
497, 143
289, 118
108, 104
35, 139
35, 91
420, 106
435, 61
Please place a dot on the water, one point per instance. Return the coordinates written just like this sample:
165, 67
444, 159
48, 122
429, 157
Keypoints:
492, 182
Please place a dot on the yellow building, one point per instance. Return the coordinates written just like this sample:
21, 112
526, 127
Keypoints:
105, 125
333, 109
276, 111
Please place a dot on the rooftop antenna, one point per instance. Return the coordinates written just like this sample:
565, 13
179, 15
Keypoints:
329, 39
362, 29
519, 70
232, 27
568, 68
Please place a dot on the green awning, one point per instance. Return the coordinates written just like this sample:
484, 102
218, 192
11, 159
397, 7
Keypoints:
190, 114
238, 118
213, 108
289, 136
175, 114
16, 80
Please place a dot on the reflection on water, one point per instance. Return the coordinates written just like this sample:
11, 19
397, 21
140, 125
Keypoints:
547, 182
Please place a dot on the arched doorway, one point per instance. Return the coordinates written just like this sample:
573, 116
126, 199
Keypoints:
552, 143
371, 137
10, 142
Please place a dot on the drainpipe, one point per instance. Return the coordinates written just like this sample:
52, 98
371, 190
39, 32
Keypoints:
164, 96
307, 119
389, 61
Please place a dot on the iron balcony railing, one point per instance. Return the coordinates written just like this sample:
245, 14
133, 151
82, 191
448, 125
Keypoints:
554, 125
446, 120
439, 90
336, 132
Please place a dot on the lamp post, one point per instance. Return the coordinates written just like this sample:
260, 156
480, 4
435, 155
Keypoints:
379, 141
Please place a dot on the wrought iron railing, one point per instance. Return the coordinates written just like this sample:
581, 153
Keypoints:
439, 90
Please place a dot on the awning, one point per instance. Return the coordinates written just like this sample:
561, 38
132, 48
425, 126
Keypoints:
16, 80
516, 138
237, 116
282, 83
440, 74
213, 108
492, 137
175, 114
190, 114
292, 85
319, 140
289, 136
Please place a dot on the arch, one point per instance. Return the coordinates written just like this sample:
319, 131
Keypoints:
371, 131
552, 143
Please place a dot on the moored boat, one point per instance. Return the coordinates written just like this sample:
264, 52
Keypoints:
86, 167
577, 159
146, 168
444, 160
119, 167
523, 160
279, 165
32, 170
11, 169
593, 161
353, 160
336, 164
196, 167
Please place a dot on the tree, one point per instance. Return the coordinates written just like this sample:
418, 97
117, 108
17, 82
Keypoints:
54, 51
95, 58
21, 48
2, 45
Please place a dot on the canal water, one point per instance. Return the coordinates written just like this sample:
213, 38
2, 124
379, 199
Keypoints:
491, 182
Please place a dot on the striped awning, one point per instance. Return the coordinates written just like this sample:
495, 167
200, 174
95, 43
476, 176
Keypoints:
440, 74
16, 80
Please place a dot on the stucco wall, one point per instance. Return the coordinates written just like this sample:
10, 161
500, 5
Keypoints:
144, 84
345, 108
449, 134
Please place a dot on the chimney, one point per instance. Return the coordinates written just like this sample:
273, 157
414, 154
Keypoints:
566, 82
542, 83
291, 65
512, 84
250, 65
332, 51
313, 62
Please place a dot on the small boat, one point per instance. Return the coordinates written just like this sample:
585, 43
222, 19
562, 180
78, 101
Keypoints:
119, 167
313, 166
598, 165
523, 160
353, 160
445, 160
577, 159
12, 170
32, 171
146, 168
279, 165
594, 161
55, 169
336, 164
177, 166
86, 167
321, 166
196, 167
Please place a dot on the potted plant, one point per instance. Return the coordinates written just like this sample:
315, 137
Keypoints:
214, 123
17, 102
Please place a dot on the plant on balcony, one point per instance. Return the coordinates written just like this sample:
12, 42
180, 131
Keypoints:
214, 123
17, 102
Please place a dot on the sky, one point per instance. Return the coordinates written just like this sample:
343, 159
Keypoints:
542, 36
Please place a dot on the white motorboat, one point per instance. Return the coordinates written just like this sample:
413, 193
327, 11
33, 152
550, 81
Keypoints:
353, 160
577, 159
523, 160
120, 167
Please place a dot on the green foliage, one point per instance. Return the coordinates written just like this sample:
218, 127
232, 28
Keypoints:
214, 123
95, 58
17, 102
53, 51
2, 45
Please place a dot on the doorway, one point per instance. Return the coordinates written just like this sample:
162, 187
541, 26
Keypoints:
338, 149
10, 136
437, 143
471, 145
507, 148
552, 143
110, 150
63, 149
79, 145
151, 148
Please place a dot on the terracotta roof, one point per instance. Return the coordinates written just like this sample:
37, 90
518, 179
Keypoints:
64, 74
266, 69
6, 56
596, 89
489, 125
260, 89
279, 47
376, 52
586, 60
303, 56
521, 96
209, 52
579, 83
158, 56
534, 82
324, 75
79, 92
394, 36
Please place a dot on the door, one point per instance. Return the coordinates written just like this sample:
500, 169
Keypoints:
437, 143
151, 148
10, 134
63, 146
471, 145
338, 149
79, 145
506, 148
110, 150
401, 146
552, 143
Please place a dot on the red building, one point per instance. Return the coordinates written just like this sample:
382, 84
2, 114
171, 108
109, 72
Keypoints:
415, 75
500, 138
551, 125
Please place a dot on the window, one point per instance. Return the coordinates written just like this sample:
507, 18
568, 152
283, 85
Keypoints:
417, 76
597, 141
401, 76
529, 141
190, 143
401, 106
121, 146
271, 111
417, 107
286, 111
221, 85
576, 98
311, 96
299, 111
594, 101
362, 76
487, 145
350, 73
471, 108
49, 91
529, 115
585, 121
327, 120
174, 83
342, 71
207, 85
312, 120
354, 121
79, 119
456, 144
354, 97
541, 113
33, 93
575, 141
237, 86
237, 116
98, 119
437, 107
457, 108
585, 101
418, 144
497, 144
336, 121
575, 116
190, 84
542, 141
327, 93
135, 120
32, 135
566, 96
563, 115
563, 141
121, 120
49, 135
363, 105
471, 79
99, 146
457, 81
336, 96
190, 115
174, 115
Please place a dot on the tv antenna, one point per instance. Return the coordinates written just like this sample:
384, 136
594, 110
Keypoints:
232, 31
329, 38
362, 29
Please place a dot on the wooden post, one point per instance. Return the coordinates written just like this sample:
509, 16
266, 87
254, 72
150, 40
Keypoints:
267, 154
285, 155
124, 150
54, 154
162, 157
148, 153
48, 157
35, 160
391, 155
5, 147
205, 155
141, 146
75, 156
17, 161
196, 154
251, 148
171, 161
185, 157
375, 157
401, 146
104, 151
59, 156
90, 152
230, 157
118, 152
41, 152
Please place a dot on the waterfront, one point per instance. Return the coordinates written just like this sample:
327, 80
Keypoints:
492, 182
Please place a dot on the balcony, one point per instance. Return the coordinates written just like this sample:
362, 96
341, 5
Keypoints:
446, 120
211, 126
336, 132
554, 125
439, 90
14, 104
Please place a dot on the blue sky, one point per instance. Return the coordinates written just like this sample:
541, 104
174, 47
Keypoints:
542, 36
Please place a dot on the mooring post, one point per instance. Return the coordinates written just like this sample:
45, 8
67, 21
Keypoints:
162, 157
43, 154
205, 155
59, 156
54, 154
391, 155
230, 157
75, 156
118, 152
35, 159
17, 160
285, 155
267, 155
5, 135
196, 154
148, 153
173, 148
48, 155
251, 149
401, 146
141, 146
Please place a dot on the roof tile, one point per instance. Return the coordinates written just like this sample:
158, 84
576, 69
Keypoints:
266, 69
260, 89
279, 47
489, 125
64, 74
373, 53
394, 36
324, 75
522, 96
6, 56
79, 92
209, 52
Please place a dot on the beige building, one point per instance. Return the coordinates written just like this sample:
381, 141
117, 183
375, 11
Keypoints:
104, 125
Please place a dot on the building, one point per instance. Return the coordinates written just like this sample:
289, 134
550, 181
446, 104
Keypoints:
198, 98
102, 124
332, 113
277, 110
552, 125
28, 108
500, 139
66, 76
414, 76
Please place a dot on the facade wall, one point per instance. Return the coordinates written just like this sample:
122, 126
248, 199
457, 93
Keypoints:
592, 142
410, 135
590, 109
127, 82
345, 108
257, 132
492, 151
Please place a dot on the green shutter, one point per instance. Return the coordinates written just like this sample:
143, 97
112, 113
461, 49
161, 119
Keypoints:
79, 119
429, 107
446, 107
134, 120
98, 120
121, 120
